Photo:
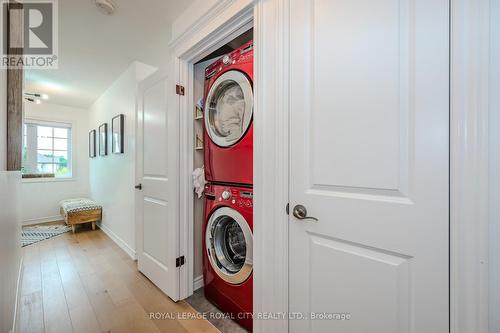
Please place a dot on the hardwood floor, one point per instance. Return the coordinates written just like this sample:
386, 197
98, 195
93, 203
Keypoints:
84, 282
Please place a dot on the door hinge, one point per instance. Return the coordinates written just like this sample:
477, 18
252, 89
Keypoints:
179, 261
287, 209
179, 90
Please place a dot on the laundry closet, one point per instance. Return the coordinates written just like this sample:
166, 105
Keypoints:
223, 181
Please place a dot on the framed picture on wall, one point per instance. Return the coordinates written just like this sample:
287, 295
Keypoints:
92, 144
117, 125
103, 140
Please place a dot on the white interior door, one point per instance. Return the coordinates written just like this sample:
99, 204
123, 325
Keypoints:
157, 173
369, 160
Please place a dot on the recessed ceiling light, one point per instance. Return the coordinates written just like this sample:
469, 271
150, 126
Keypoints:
105, 6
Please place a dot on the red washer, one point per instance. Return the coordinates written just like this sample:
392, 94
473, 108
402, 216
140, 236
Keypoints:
228, 244
228, 110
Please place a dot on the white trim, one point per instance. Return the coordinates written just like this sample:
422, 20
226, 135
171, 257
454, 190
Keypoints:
198, 282
222, 35
227, 21
48, 180
72, 156
40, 220
18, 290
206, 25
198, 24
271, 149
469, 166
48, 123
120, 242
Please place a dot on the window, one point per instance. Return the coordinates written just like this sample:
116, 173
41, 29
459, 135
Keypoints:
46, 150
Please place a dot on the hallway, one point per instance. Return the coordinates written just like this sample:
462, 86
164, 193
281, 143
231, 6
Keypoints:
86, 283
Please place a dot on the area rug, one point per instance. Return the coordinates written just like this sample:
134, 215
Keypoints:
35, 234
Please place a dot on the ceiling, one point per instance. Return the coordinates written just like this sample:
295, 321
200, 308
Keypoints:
94, 48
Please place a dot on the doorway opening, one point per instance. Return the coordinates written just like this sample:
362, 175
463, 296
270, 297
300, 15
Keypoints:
221, 119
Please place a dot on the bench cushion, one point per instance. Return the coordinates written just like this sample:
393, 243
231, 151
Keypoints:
78, 205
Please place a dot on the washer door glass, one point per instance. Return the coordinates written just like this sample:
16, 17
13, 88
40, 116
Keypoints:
229, 245
229, 108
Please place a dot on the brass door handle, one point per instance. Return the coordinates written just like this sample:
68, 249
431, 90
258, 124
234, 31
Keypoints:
300, 212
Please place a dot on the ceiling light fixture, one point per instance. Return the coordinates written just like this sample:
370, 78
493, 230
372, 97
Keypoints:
106, 7
35, 97
32, 100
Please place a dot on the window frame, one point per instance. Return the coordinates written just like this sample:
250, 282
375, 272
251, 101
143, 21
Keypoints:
31, 136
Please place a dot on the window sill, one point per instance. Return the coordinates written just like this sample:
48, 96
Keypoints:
48, 180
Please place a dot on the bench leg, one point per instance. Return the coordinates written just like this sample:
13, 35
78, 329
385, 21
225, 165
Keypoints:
73, 227
93, 225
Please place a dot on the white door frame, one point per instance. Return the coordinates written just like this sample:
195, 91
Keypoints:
211, 32
469, 159
222, 21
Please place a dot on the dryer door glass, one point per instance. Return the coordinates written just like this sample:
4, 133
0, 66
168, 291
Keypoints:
229, 108
229, 245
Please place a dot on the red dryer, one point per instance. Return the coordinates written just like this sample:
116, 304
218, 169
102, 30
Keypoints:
228, 244
228, 110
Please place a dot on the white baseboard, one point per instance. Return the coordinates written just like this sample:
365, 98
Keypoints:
43, 220
198, 282
120, 242
18, 289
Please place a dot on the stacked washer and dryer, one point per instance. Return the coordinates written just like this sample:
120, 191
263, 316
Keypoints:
228, 159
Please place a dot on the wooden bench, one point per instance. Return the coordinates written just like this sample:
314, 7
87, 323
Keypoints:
80, 210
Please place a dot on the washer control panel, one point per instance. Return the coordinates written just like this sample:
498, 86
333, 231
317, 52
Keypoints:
238, 197
226, 194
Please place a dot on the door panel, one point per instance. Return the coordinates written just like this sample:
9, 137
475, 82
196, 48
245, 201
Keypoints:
359, 48
156, 203
155, 125
155, 230
379, 276
369, 160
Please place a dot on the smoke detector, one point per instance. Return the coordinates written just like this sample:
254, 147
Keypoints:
105, 6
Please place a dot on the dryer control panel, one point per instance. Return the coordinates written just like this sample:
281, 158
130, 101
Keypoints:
238, 56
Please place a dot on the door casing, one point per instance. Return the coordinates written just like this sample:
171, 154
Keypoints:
219, 22
185, 57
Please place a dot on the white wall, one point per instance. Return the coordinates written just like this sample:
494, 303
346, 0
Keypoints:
40, 198
112, 177
196, 10
10, 247
495, 168
3, 119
